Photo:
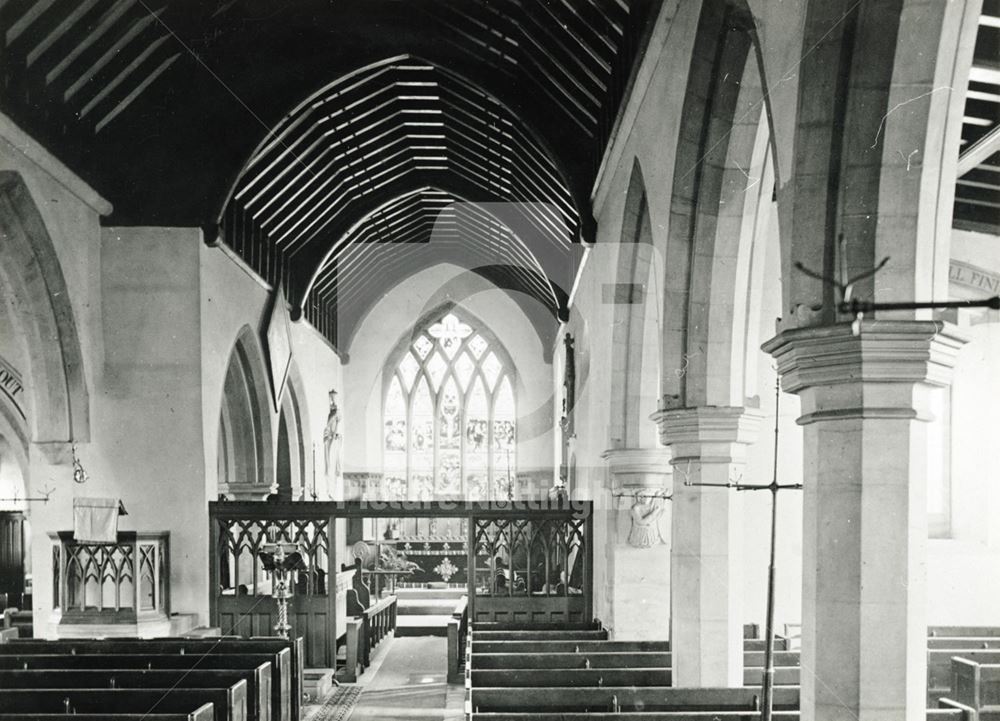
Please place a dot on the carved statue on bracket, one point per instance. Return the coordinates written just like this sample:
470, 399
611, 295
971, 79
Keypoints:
646, 512
331, 435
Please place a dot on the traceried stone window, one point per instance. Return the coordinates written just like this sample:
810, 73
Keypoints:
449, 421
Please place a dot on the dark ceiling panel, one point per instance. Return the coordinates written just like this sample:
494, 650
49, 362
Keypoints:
977, 191
159, 104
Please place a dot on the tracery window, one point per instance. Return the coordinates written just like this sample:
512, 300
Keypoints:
449, 416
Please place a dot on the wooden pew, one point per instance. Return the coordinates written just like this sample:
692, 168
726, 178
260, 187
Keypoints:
230, 703
508, 626
977, 685
570, 677
962, 631
258, 681
458, 638
286, 675
21, 620
289, 665
759, 644
562, 646
941, 714
965, 642
202, 713
526, 699
689, 715
600, 659
541, 635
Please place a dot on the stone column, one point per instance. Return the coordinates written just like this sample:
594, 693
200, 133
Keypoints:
638, 555
708, 445
864, 407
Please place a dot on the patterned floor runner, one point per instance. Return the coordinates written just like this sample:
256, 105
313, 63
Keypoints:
337, 707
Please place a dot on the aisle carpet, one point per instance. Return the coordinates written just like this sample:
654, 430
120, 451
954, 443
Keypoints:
337, 707
410, 684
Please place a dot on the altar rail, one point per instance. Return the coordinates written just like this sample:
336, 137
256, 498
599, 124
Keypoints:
111, 583
533, 563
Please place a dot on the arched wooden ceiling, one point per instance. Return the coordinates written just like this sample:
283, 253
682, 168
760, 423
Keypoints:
159, 105
977, 193
418, 230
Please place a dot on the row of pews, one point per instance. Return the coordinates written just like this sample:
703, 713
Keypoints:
161, 679
573, 672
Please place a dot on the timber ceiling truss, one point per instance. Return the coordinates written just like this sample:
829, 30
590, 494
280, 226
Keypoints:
977, 193
472, 129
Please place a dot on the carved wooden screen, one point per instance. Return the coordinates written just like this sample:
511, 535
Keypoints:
244, 605
532, 570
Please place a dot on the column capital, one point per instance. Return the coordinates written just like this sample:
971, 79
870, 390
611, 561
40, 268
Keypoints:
707, 425
639, 467
882, 351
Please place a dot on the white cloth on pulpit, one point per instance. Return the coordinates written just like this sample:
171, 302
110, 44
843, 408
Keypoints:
95, 520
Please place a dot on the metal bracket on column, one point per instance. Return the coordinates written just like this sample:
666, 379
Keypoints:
44, 498
850, 305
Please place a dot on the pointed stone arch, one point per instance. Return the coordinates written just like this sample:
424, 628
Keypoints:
245, 445
706, 259
635, 337
292, 464
36, 294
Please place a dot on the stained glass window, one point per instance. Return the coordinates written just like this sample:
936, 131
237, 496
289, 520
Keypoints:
449, 416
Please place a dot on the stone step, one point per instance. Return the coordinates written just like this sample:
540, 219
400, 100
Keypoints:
317, 683
410, 593
422, 625
425, 606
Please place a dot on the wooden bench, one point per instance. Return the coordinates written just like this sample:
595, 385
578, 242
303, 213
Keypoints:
563, 646
527, 699
689, 715
597, 659
571, 677
962, 631
21, 620
509, 626
286, 674
458, 637
202, 713
259, 698
977, 685
965, 642
541, 635
942, 714
230, 703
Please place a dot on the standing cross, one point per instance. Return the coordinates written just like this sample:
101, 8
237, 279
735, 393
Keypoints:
773, 487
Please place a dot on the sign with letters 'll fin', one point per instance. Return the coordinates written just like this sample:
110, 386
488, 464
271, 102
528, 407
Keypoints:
279, 345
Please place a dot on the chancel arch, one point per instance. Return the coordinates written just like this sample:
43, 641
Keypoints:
449, 412
36, 296
245, 446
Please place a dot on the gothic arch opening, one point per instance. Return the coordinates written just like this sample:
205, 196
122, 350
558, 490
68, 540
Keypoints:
245, 455
635, 356
290, 462
36, 296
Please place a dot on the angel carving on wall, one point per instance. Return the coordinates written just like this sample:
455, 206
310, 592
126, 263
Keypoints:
646, 513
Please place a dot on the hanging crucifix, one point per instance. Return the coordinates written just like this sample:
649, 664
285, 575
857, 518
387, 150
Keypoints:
767, 685
566, 423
